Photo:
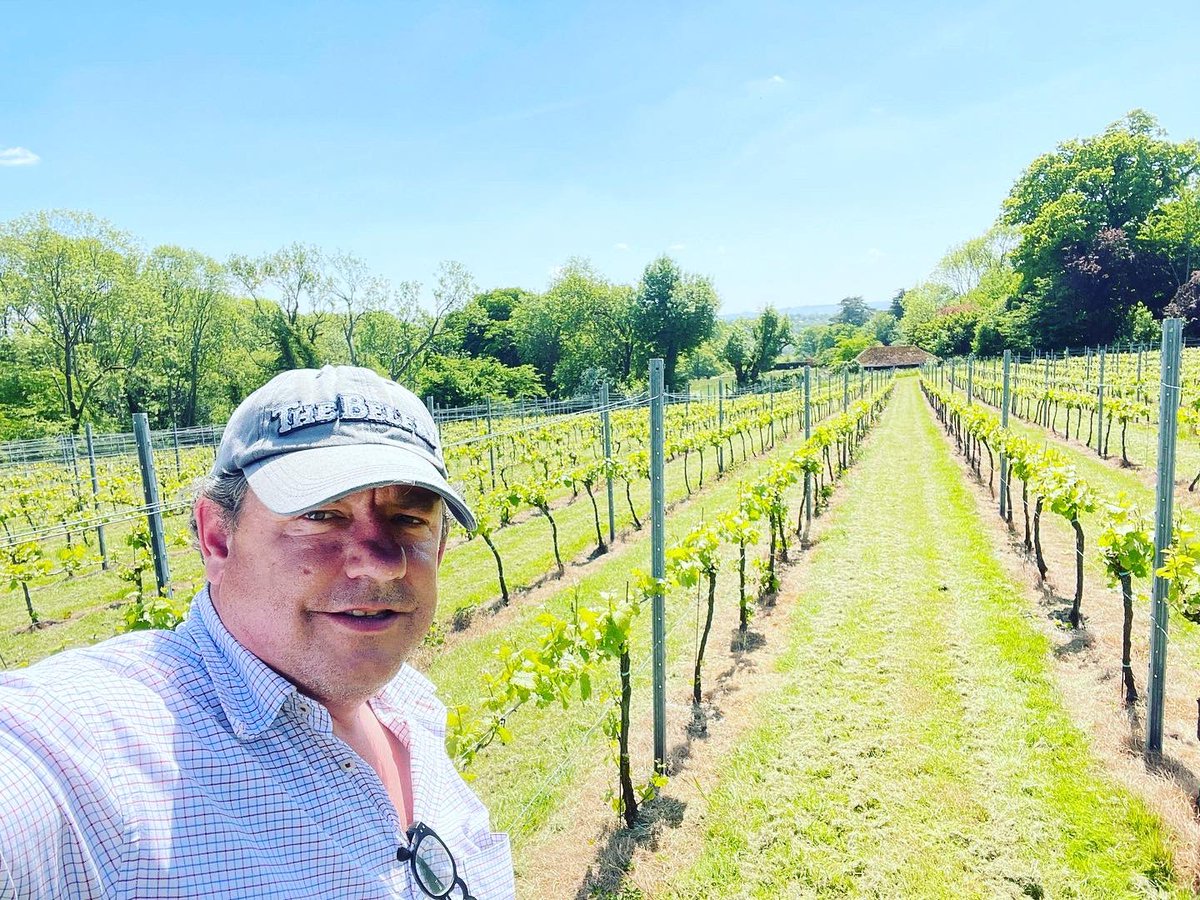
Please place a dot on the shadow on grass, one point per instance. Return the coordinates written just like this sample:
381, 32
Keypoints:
746, 643
606, 876
39, 625
1083, 639
1169, 768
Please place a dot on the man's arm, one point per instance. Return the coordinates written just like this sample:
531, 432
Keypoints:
40, 852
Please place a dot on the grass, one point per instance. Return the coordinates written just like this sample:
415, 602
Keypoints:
919, 748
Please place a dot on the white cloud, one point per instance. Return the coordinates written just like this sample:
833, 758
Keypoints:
677, 247
622, 246
761, 86
18, 156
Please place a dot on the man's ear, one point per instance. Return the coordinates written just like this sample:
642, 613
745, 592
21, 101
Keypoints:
213, 534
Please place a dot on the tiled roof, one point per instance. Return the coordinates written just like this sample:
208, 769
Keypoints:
895, 356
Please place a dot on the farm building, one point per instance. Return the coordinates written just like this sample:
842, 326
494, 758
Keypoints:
898, 356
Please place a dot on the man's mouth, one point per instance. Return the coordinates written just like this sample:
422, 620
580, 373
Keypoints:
366, 620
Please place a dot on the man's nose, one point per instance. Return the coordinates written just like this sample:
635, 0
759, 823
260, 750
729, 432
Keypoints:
375, 552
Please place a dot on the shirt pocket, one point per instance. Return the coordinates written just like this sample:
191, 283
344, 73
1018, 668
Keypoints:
488, 872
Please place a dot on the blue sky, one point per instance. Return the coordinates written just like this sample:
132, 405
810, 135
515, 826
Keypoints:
795, 152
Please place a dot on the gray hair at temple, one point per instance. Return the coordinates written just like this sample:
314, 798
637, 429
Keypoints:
227, 491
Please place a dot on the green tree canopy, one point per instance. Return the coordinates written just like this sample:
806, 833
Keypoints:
752, 350
71, 282
673, 312
854, 311
1084, 259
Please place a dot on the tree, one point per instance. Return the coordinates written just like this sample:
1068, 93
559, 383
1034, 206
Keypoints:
897, 307
596, 318
673, 312
193, 289
72, 281
965, 267
883, 326
460, 381
289, 297
1172, 234
754, 350
771, 334
854, 311
1082, 210
737, 353
400, 335
484, 326
351, 292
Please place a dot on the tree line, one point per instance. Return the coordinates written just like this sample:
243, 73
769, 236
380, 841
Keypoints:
1095, 243
93, 328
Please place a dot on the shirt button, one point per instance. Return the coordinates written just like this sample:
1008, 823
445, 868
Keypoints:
303, 708
348, 765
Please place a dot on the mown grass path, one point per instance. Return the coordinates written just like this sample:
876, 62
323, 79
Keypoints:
919, 748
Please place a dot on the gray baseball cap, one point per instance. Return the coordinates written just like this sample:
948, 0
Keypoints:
309, 436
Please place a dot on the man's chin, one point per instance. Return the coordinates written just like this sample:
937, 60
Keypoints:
336, 688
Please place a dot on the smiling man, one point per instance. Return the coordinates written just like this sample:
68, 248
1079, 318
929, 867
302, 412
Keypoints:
276, 744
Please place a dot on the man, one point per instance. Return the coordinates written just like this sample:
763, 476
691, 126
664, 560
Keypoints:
275, 744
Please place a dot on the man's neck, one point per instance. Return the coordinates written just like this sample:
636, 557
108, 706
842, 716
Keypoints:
367, 736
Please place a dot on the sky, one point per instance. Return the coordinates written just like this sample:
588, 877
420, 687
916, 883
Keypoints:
795, 153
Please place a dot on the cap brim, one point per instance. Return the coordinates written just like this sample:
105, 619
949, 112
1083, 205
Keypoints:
291, 483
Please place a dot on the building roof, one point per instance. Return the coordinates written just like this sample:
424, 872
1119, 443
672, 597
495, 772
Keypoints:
895, 356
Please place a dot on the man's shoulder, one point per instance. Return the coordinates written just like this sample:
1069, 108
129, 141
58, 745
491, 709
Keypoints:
416, 695
133, 673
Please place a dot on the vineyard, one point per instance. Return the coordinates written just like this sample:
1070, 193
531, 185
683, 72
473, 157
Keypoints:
866, 686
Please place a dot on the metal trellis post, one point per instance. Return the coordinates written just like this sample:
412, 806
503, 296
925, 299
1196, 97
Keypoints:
158, 543
1168, 424
658, 563
607, 427
91, 451
1004, 399
807, 435
491, 446
720, 424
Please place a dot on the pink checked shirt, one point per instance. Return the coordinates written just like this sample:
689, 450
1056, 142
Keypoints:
176, 764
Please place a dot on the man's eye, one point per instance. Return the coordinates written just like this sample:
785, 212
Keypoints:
320, 515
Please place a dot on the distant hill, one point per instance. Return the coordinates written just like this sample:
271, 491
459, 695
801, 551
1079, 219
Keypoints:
808, 315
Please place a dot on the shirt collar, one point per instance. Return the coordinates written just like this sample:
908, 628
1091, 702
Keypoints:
249, 691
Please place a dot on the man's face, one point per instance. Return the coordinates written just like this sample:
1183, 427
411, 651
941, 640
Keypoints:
333, 599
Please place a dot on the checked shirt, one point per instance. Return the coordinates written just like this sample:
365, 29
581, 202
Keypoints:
177, 764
